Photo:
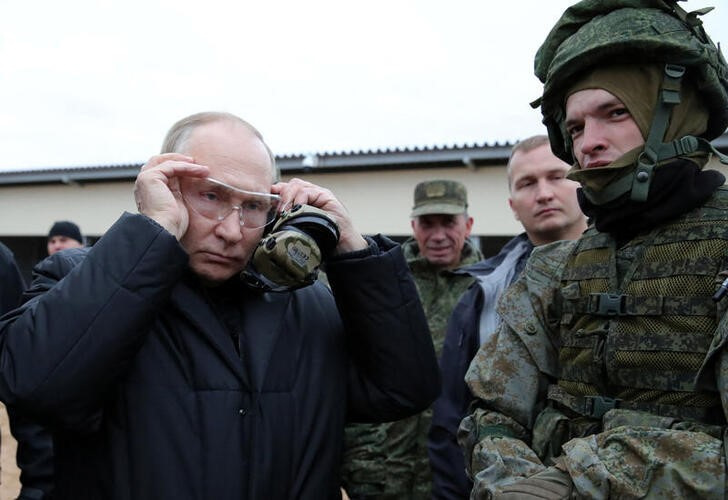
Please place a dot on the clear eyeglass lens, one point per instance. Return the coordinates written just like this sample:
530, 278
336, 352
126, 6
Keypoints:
215, 200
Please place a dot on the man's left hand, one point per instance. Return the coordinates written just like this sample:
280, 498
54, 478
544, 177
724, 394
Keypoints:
297, 191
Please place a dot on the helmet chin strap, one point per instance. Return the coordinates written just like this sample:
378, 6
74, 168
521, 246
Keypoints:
647, 161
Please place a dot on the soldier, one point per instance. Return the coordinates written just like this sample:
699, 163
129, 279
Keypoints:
390, 460
608, 376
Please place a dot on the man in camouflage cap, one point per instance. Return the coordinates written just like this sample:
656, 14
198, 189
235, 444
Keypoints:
390, 460
608, 376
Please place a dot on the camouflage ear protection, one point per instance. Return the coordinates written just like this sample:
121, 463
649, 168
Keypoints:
289, 257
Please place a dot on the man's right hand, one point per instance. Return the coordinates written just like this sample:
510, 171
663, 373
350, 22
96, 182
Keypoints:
549, 484
157, 190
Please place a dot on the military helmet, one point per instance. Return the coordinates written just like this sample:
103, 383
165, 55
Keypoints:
623, 31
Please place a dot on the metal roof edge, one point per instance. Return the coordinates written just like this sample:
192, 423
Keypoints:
465, 155
70, 176
469, 155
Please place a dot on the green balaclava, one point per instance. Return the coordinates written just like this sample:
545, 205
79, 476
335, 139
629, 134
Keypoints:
637, 86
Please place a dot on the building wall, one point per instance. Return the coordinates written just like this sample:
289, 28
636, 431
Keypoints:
379, 202
34, 208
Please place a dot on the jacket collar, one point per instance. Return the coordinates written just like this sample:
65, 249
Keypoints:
469, 255
487, 265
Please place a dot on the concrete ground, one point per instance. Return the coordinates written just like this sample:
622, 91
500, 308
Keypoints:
9, 475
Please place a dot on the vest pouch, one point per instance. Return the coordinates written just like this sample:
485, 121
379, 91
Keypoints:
570, 295
550, 431
553, 428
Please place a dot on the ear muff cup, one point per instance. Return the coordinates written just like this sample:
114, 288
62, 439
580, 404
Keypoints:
290, 256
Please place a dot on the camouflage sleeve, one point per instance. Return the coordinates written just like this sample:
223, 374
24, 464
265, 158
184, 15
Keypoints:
504, 376
721, 368
509, 377
714, 370
495, 436
640, 455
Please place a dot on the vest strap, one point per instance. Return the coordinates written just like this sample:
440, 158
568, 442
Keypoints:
610, 304
597, 405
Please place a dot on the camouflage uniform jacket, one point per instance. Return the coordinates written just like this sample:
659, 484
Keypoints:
629, 453
462, 341
390, 460
440, 290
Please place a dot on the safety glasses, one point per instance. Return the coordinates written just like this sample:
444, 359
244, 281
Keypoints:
216, 200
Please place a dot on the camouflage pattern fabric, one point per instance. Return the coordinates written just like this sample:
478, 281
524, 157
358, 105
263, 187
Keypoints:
509, 375
646, 462
636, 324
513, 433
389, 461
439, 290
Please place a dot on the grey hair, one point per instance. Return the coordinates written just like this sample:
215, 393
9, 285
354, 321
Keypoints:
180, 132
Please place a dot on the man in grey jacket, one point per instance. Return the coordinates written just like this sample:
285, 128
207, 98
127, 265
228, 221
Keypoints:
544, 201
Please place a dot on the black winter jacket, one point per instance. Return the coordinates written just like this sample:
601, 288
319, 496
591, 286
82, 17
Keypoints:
11, 281
149, 398
34, 454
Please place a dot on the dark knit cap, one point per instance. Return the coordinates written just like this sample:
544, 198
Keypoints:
66, 228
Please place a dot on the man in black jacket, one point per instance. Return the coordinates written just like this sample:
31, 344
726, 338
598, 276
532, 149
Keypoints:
163, 375
11, 281
34, 455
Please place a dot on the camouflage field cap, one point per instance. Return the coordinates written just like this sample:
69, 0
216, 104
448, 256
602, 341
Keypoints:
603, 32
440, 196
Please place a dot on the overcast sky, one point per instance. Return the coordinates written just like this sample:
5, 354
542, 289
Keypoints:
98, 82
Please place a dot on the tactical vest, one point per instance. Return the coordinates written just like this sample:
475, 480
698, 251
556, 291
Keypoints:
637, 322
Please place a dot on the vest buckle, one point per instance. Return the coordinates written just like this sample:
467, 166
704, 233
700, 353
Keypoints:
597, 406
607, 304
